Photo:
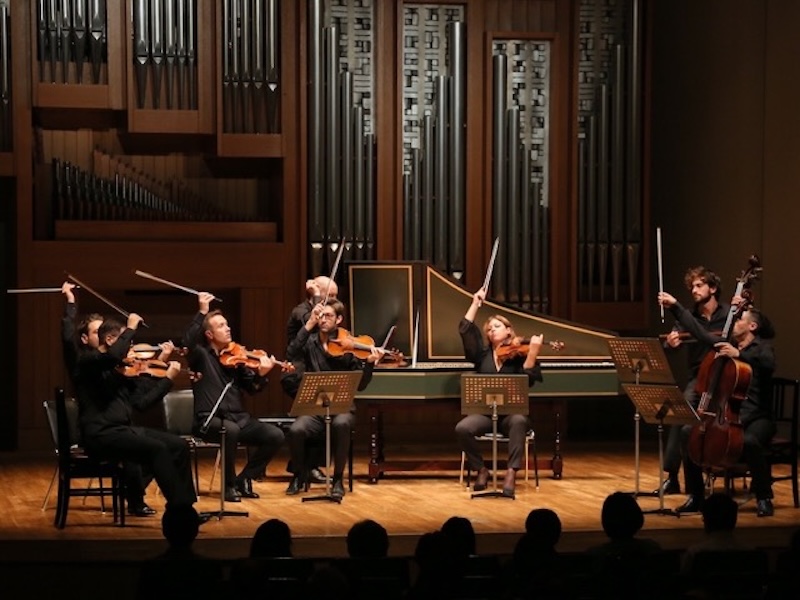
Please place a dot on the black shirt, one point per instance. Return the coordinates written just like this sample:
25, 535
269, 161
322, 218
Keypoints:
479, 353
207, 389
306, 348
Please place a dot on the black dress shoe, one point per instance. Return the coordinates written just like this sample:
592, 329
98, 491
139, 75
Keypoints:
338, 488
669, 486
764, 508
203, 517
317, 476
232, 495
141, 510
481, 481
693, 504
245, 488
295, 486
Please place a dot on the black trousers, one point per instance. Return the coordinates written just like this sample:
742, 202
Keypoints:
264, 437
513, 426
308, 427
166, 455
757, 434
672, 450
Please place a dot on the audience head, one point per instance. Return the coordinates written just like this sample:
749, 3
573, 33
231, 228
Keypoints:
367, 539
272, 539
461, 534
720, 512
621, 516
180, 525
543, 526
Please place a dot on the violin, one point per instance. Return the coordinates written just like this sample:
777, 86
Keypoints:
235, 354
520, 346
392, 359
360, 346
148, 367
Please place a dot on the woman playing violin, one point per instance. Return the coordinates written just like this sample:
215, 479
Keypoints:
310, 350
488, 360
207, 337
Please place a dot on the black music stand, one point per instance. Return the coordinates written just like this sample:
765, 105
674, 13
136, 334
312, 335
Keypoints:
222, 512
640, 360
661, 404
497, 395
323, 394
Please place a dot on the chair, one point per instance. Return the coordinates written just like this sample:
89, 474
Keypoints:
73, 463
179, 419
784, 447
530, 442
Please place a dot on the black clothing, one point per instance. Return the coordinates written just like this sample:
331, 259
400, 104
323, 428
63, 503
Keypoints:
297, 319
307, 350
240, 427
514, 426
695, 353
106, 399
755, 411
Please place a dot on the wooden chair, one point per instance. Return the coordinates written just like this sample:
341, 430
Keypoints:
74, 463
530, 443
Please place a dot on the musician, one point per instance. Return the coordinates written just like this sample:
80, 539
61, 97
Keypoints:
316, 290
310, 350
750, 343
106, 399
74, 343
498, 330
207, 335
710, 314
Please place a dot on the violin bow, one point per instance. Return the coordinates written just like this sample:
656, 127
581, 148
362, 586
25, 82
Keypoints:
488, 279
333, 271
99, 296
170, 283
388, 337
50, 290
660, 269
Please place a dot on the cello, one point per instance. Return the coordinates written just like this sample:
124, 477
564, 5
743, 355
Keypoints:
718, 439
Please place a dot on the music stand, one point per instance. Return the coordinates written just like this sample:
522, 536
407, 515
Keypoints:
222, 512
497, 395
661, 404
323, 394
640, 360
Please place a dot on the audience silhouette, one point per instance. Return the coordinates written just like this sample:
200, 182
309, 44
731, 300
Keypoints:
272, 539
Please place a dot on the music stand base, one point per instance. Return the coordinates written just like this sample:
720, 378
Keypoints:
491, 494
662, 511
219, 514
643, 494
329, 498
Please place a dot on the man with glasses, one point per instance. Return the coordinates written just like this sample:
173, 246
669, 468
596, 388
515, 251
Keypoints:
310, 349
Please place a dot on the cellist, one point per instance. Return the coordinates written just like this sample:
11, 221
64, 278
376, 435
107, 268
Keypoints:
750, 344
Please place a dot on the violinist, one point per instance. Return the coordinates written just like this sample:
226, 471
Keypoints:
316, 290
309, 349
75, 343
750, 343
487, 359
206, 337
106, 399
710, 314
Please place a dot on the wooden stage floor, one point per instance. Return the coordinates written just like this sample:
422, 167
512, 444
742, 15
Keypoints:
406, 504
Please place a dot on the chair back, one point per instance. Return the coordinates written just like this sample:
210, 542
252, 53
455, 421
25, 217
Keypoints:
62, 417
785, 401
179, 412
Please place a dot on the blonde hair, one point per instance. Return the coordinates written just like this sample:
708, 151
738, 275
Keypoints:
500, 318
